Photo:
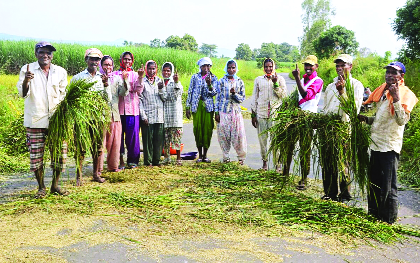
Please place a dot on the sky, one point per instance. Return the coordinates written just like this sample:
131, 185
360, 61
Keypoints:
225, 23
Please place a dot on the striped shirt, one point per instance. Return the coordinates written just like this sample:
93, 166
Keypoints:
225, 101
151, 104
198, 88
266, 97
171, 95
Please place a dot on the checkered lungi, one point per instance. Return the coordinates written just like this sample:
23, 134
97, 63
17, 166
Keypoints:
35, 140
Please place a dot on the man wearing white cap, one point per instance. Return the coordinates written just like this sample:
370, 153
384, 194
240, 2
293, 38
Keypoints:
343, 66
93, 57
200, 103
43, 86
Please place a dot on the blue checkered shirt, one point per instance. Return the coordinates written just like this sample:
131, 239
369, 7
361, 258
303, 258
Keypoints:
198, 88
225, 101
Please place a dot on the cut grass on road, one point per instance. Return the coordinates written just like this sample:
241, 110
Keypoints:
193, 200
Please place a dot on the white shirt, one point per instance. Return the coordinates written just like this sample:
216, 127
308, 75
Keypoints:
332, 103
387, 130
44, 94
266, 98
98, 86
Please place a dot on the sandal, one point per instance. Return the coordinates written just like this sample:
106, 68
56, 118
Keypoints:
199, 160
40, 194
59, 192
131, 166
227, 160
178, 162
206, 160
301, 186
241, 162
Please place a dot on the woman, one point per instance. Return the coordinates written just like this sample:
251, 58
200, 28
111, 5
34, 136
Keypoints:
171, 94
129, 111
230, 123
115, 87
152, 116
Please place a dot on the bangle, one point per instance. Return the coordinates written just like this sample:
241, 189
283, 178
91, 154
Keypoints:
253, 115
276, 85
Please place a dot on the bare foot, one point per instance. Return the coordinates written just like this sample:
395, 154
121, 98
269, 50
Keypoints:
98, 179
265, 166
41, 193
79, 182
59, 191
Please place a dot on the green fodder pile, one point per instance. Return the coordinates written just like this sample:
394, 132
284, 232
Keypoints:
79, 119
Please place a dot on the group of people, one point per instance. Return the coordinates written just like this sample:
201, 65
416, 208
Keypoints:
143, 101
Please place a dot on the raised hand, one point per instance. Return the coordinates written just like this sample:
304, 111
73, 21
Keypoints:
339, 85
160, 85
394, 92
28, 75
208, 79
105, 80
176, 77
141, 71
125, 74
274, 78
296, 73
232, 90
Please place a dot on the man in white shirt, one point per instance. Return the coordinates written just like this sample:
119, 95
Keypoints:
43, 86
93, 57
343, 67
394, 102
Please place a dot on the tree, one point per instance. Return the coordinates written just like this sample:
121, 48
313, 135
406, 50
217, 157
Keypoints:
190, 43
336, 40
243, 51
407, 26
155, 43
208, 49
128, 43
187, 42
268, 50
315, 19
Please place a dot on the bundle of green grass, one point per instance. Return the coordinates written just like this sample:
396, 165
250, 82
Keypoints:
338, 143
79, 119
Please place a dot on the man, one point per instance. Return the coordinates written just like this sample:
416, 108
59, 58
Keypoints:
200, 103
43, 85
266, 97
93, 57
394, 102
343, 67
309, 89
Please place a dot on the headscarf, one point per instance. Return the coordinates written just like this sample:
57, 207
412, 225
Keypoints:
407, 97
122, 66
204, 61
105, 57
172, 70
236, 64
274, 66
150, 78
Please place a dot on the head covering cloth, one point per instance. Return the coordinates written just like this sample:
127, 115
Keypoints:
105, 57
227, 73
274, 66
172, 70
122, 65
150, 78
